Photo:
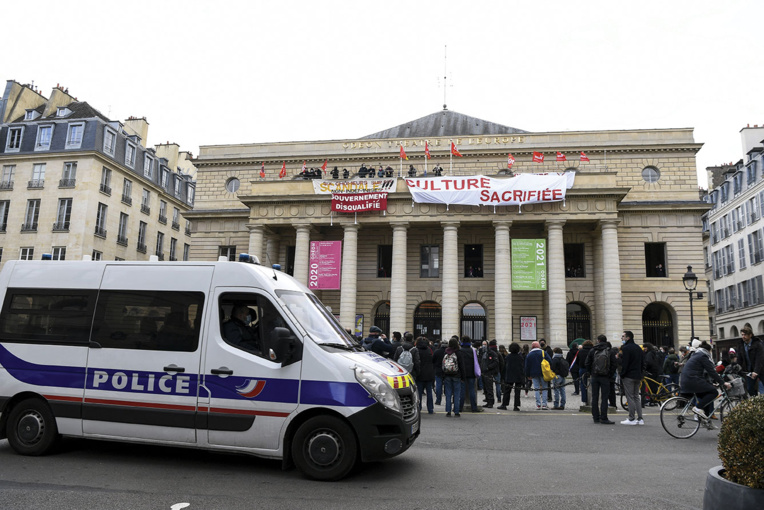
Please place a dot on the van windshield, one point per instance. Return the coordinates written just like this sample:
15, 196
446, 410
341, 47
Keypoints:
320, 324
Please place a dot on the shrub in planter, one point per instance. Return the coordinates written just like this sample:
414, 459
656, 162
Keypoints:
741, 443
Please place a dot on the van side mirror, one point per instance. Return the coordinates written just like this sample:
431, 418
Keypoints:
287, 349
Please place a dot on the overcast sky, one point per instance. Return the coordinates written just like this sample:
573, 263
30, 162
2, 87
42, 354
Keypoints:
228, 72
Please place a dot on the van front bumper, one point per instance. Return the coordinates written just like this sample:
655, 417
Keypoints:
384, 433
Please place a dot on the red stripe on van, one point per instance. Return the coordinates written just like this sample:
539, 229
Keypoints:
248, 412
62, 398
129, 403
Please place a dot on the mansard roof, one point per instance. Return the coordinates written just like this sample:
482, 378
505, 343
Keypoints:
445, 123
79, 109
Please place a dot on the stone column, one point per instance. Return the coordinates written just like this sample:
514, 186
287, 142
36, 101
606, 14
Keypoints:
302, 252
398, 282
450, 275
598, 324
349, 285
256, 241
557, 320
502, 321
611, 279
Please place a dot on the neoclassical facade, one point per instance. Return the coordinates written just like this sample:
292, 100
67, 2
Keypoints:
616, 246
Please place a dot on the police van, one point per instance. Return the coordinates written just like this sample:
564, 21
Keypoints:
224, 356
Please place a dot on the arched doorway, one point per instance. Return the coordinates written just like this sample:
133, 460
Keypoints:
579, 321
427, 320
474, 321
382, 317
658, 325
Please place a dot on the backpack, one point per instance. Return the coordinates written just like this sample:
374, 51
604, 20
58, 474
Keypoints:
562, 368
406, 360
601, 362
450, 364
546, 369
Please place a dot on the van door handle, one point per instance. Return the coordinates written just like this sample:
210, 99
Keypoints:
174, 368
221, 371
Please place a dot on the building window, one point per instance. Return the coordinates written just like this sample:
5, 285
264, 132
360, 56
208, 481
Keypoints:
173, 248
4, 206
26, 254
31, 114
130, 155
38, 176
191, 191
741, 253
160, 246
574, 260
13, 143
651, 174
109, 141
68, 175
655, 260
185, 251
122, 231
127, 191
751, 174
6, 180
62, 111
106, 181
384, 260
145, 199
63, 215
31, 215
175, 218
232, 185
44, 136
141, 247
737, 183
756, 247
100, 226
227, 251
165, 177
97, 255
177, 187
148, 167
473, 260
429, 266
59, 253
74, 136
163, 212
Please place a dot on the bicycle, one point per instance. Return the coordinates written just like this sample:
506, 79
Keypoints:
662, 392
678, 419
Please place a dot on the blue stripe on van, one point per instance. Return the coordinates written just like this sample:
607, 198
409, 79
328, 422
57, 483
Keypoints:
335, 394
42, 375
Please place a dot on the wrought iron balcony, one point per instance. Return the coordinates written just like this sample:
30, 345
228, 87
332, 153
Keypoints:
61, 226
106, 190
29, 227
6, 185
36, 184
122, 240
100, 232
66, 183
141, 247
127, 200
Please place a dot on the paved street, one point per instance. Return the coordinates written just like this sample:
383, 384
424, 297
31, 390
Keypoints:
494, 459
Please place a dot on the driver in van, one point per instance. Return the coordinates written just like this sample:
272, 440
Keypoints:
238, 333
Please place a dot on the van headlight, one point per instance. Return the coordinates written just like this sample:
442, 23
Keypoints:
379, 388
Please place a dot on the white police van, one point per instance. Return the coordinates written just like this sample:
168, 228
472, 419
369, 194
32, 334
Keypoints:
140, 352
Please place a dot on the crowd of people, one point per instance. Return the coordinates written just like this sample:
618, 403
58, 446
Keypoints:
456, 369
365, 172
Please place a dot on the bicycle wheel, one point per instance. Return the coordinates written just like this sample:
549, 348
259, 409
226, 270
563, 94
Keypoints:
624, 402
666, 392
678, 419
586, 379
727, 406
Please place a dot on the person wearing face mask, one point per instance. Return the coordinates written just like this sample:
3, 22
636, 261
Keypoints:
632, 360
237, 331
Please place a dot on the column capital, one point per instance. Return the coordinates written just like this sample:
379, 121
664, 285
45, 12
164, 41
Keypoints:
554, 225
610, 223
351, 226
449, 224
303, 226
501, 224
397, 225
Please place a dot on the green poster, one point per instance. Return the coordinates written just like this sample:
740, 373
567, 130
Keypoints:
528, 264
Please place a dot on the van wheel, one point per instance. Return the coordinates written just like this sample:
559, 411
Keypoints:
31, 428
324, 448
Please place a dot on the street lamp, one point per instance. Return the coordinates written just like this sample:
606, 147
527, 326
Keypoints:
690, 281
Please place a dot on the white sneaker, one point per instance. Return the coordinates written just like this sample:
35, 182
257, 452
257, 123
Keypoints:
700, 412
629, 422
640, 421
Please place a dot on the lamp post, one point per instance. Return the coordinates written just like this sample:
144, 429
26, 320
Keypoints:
690, 281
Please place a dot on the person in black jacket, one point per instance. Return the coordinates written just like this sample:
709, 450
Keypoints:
653, 367
452, 382
437, 362
468, 383
489, 365
632, 360
514, 375
574, 373
751, 359
693, 381
426, 372
600, 381
583, 353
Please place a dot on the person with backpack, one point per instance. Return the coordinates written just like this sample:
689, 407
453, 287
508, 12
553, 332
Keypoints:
671, 366
489, 366
561, 369
407, 356
601, 364
534, 373
426, 375
453, 375
514, 376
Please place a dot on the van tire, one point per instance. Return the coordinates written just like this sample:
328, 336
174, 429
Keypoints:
324, 448
31, 427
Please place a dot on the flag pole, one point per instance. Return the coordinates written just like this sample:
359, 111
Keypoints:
400, 155
450, 157
425, 157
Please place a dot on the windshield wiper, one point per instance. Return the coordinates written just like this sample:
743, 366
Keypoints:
344, 347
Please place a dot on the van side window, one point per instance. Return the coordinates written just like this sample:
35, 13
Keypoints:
248, 322
148, 320
47, 316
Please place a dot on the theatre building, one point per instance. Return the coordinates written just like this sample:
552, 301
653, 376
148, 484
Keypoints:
490, 248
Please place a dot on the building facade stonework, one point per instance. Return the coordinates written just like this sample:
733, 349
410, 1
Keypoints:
440, 269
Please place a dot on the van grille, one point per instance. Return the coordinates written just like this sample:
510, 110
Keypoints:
409, 409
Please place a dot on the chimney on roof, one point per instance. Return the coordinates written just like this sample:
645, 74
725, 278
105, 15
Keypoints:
139, 127
57, 99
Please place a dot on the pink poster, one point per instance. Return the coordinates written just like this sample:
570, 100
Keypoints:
325, 265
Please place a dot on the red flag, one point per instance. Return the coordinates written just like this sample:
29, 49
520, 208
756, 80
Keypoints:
426, 150
403, 154
455, 151
262, 171
282, 173
538, 157
324, 166
584, 157
561, 156
303, 166
510, 160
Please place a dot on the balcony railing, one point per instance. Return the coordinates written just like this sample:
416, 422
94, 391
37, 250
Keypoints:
160, 256
145, 209
122, 240
175, 225
61, 226
6, 185
141, 247
188, 231
163, 219
127, 200
66, 183
36, 184
106, 190
100, 232
29, 227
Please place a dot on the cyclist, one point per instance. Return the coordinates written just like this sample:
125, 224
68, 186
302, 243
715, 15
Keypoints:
693, 381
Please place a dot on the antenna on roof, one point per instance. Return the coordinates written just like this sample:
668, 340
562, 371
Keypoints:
445, 74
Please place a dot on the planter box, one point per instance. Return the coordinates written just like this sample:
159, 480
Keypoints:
721, 493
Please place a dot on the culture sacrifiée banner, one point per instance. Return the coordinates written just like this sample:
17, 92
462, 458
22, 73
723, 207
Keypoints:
324, 266
528, 264
482, 190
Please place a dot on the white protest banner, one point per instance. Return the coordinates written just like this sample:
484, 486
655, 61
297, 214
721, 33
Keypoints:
482, 190
327, 187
